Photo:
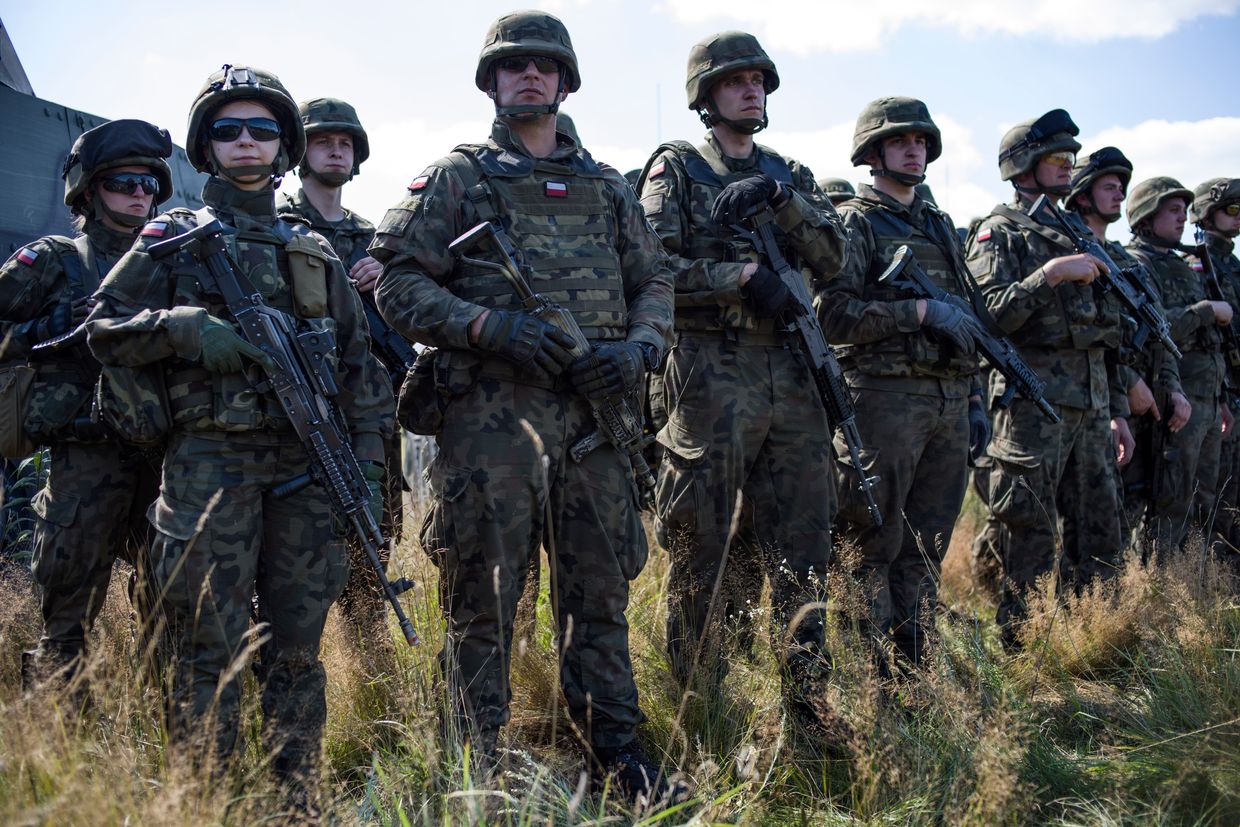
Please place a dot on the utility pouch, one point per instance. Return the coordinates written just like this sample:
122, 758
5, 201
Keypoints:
308, 266
15, 382
133, 402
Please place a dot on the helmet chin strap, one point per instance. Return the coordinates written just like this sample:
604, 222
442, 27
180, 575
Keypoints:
235, 174
905, 178
529, 111
1062, 190
327, 179
122, 218
745, 126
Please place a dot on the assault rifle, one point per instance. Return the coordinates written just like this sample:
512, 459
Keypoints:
801, 321
997, 350
393, 349
298, 375
1231, 340
619, 420
1126, 285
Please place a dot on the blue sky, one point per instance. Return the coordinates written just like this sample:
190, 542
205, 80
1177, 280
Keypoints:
1155, 78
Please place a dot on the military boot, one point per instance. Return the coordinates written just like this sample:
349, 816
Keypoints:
639, 779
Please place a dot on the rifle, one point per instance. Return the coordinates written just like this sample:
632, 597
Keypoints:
393, 349
619, 420
299, 377
802, 322
1125, 284
1231, 339
997, 350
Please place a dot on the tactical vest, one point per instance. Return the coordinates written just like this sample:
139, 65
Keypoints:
288, 267
923, 355
1182, 286
706, 239
561, 219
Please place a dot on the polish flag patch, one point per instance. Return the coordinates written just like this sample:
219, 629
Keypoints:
419, 183
27, 256
556, 189
157, 228
984, 235
1196, 265
657, 170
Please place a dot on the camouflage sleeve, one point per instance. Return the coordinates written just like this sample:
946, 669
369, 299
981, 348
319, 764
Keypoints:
412, 244
813, 225
847, 317
698, 281
646, 269
1117, 385
996, 258
29, 282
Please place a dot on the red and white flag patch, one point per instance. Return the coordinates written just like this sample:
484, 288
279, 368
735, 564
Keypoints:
557, 189
27, 256
156, 228
419, 183
657, 170
984, 235
1196, 265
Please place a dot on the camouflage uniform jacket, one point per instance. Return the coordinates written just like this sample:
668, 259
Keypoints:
420, 291
349, 237
1191, 316
876, 325
1227, 269
1069, 334
680, 186
150, 311
1159, 369
37, 278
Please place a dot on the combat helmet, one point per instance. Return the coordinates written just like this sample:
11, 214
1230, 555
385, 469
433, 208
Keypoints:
1028, 141
886, 117
1148, 197
334, 115
232, 83
532, 33
837, 189
717, 56
115, 144
1091, 167
1208, 197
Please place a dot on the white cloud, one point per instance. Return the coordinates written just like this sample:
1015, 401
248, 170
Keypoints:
809, 26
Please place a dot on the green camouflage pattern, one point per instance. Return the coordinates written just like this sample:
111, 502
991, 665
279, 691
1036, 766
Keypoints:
886, 117
1145, 198
1211, 194
234, 82
335, 115
837, 190
1026, 157
721, 54
491, 507
527, 33
349, 237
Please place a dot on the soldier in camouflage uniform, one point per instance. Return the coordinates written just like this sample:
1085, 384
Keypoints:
499, 370
912, 368
93, 508
1150, 374
1039, 292
837, 190
1185, 479
222, 534
1216, 212
743, 413
336, 148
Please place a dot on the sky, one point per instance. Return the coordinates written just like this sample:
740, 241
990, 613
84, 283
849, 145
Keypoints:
1155, 78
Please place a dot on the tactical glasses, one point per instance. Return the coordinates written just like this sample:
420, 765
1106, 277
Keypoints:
1064, 158
1232, 209
546, 65
260, 129
127, 183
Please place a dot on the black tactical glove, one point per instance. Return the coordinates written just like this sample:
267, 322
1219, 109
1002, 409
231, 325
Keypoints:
766, 292
55, 323
740, 198
223, 347
979, 430
613, 369
81, 309
526, 340
954, 324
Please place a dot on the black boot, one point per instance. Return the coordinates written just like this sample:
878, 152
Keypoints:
639, 779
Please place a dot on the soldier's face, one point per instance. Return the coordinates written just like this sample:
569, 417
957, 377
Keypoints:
1168, 222
330, 152
138, 204
1225, 224
740, 95
1051, 171
244, 151
905, 153
527, 86
1108, 195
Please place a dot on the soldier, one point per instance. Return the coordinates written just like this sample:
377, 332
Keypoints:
1216, 212
912, 367
838, 190
93, 508
1038, 291
1186, 477
511, 397
221, 533
743, 414
336, 148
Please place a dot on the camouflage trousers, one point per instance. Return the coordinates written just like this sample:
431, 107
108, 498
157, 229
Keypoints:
91, 512
990, 543
1227, 520
1187, 483
493, 504
743, 419
221, 538
1044, 472
918, 447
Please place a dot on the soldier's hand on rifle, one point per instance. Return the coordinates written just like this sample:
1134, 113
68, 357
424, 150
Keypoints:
525, 340
373, 472
1181, 411
1222, 312
54, 324
613, 369
81, 309
979, 427
742, 198
223, 348
766, 292
1080, 267
1125, 445
365, 274
1141, 400
951, 322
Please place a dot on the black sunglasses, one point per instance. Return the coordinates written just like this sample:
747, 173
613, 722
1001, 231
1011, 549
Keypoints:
546, 65
127, 183
260, 129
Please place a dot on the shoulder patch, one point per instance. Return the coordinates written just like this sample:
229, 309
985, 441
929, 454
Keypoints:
419, 183
155, 228
657, 170
27, 256
984, 235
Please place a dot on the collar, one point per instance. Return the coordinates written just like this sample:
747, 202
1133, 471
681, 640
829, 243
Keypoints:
504, 136
107, 242
734, 164
225, 197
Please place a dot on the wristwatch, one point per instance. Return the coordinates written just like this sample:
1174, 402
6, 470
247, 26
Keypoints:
651, 355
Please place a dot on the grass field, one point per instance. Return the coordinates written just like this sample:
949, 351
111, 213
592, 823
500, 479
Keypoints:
1123, 708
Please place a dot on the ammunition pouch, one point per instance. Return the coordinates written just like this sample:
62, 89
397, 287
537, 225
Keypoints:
436, 378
